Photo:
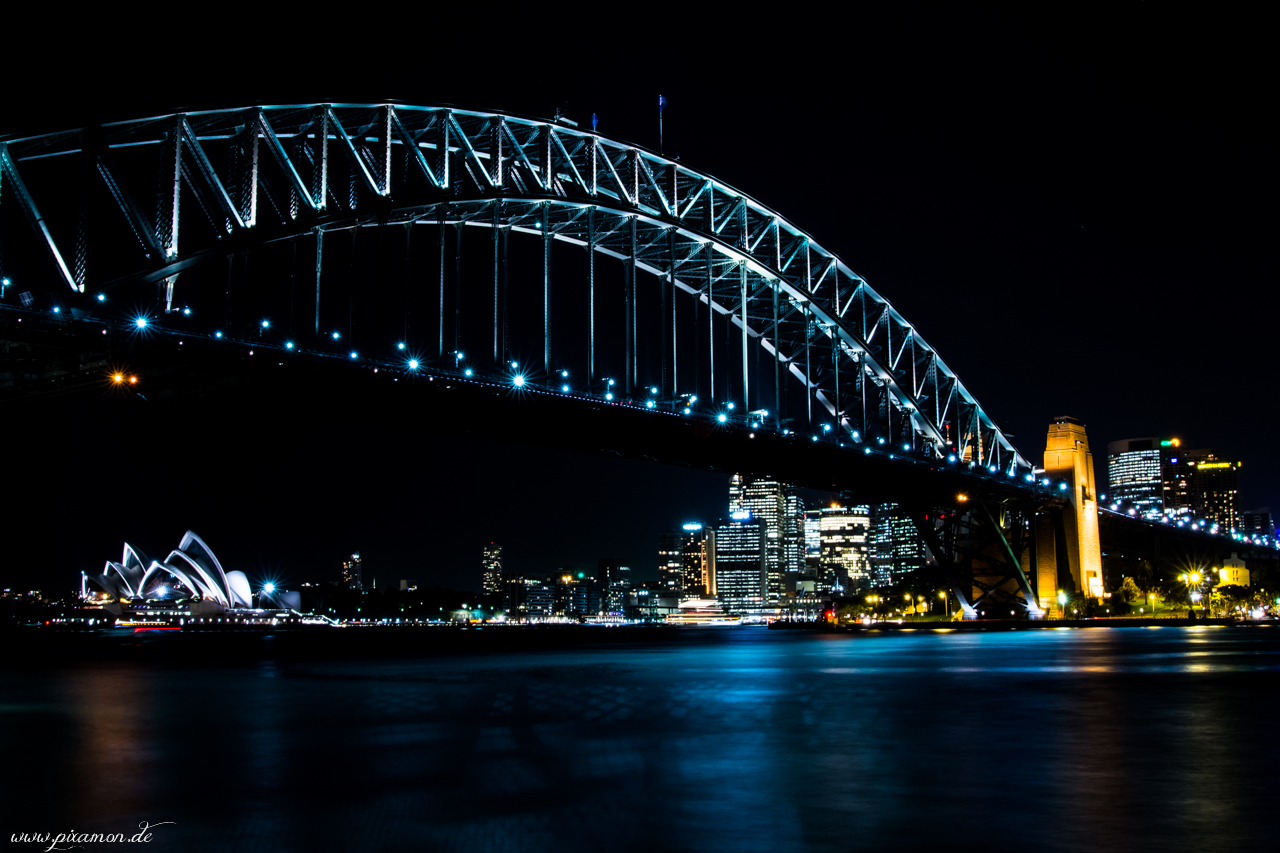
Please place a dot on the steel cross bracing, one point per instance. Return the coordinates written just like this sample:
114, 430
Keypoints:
264, 174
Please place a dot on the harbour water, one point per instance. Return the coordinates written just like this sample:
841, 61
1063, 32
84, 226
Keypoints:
660, 739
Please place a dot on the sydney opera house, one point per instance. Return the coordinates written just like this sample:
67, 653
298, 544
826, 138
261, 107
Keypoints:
191, 572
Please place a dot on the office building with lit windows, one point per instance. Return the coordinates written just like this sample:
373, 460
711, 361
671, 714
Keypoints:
1135, 475
846, 540
777, 507
671, 558
352, 575
491, 567
896, 547
741, 575
1214, 483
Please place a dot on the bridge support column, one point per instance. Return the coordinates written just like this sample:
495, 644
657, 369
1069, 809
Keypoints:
1067, 458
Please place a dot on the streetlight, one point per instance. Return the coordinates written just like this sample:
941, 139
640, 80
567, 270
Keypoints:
943, 596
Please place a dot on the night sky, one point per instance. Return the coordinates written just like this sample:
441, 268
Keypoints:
1075, 209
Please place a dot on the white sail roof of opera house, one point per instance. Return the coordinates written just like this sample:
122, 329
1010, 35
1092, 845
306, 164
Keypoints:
192, 565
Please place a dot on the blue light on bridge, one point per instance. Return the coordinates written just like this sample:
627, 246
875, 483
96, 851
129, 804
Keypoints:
564, 389
815, 438
336, 336
186, 312
951, 458
722, 417
467, 372
1044, 482
991, 468
754, 424
693, 399
610, 382
353, 354
730, 407
288, 344
1062, 487
516, 364
141, 322
57, 309
268, 587
400, 346
266, 324
879, 441
102, 297
609, 396
687, 410
653, 390
413, 364
564, 374
217, 334
906, 447
826, 427
649, 404
518, 381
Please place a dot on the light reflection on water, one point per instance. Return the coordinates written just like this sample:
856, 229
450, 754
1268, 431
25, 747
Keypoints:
743, 739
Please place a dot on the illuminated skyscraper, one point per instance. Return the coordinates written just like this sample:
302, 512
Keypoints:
1215, 489
896, 547
1135, 475
777, 507
741, 577
491, 566
845, 548
699, 560
671, 558
351, 574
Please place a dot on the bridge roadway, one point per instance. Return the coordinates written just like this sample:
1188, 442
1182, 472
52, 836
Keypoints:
54, 358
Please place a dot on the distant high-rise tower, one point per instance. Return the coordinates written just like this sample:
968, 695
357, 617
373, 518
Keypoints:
351, 575
741, 579
699, 560
777, 507
1215, 489
1134, 475
846, 544
492, 568
671, 558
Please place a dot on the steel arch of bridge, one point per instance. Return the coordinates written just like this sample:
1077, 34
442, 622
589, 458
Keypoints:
318, 168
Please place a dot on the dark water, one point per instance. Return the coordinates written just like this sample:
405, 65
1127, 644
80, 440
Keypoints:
720, 739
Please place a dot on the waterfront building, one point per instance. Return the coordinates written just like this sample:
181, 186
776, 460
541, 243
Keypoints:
671, 558
352, 576
845, 564
491, 568
699, 560
1135, 475
777, 507
612, 583
741, 575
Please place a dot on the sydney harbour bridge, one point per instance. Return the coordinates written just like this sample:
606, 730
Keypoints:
448, 259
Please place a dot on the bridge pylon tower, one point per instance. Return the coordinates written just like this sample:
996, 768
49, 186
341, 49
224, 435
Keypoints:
1068, 548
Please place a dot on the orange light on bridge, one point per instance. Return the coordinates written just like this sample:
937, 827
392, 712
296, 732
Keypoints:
118, 378
962, 498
